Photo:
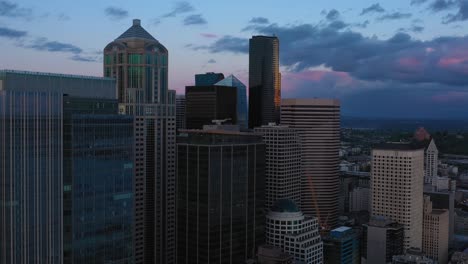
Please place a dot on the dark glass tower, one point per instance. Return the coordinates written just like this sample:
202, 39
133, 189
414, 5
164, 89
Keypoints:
220, 196
139, 63
242, 112
208, 78
264, 81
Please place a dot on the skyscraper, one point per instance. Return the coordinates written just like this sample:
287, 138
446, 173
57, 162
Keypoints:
242, 112
207, 79
381, 239
139, 63
220, 195
66, 162
318, 123
297, 234
283, 164
397, 187
341, 246
435, 242
207, 103
264, 81
180, 112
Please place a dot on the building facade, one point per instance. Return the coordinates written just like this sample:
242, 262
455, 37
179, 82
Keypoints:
264, 81
283, 164
181, 112
318, 123
381, 239
431, 161
359, 199
242, 107
139, 63
298, 235
207, 103
435, 243
207, 79
220, 196
341, 246
397, 187
272, 255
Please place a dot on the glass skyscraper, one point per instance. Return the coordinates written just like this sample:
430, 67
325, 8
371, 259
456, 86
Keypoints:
66, 170
264, 81
220, 196
208, 78
242, 111
139, 63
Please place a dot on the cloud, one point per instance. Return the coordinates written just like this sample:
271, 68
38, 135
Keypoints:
9, 9
417, 29
442, 5
194, 20
259, 20
337, 25
12, 33
394, 16
63, 17
208, 35
362, 24
81, 58
211, 61
42, 44
116, 13
333, 14
375, 8
418, 2
461, 15
180, 8
225, 44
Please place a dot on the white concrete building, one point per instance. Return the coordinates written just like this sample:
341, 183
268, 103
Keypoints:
397, 187
298, 235
435, 232
282, 164
431, 161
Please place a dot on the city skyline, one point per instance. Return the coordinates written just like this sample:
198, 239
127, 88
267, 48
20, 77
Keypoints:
415, 47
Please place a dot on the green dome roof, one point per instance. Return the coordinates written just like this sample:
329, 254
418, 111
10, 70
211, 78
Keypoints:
285, 206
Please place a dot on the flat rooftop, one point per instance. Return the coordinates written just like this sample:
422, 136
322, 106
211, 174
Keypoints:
404, 146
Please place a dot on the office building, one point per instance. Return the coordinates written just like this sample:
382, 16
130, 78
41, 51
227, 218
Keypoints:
264, 81
298, 235
318, 123
397, 187
444, 200
353, 186
435, 243
207, 79
413, 256
341, 246
242, 111
139, 63
180, 112
283, 163
359, 199
381, 239
272, 255
207, 103
64, 145
220, 195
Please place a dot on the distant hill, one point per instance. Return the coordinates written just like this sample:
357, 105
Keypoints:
403, 124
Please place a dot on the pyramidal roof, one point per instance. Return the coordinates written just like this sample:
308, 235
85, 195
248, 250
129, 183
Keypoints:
231, 81
136, 31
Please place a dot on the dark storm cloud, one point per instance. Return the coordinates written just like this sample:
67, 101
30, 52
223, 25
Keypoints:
116, 13
461, 14
442, 5
394, 16
259, 20
42, 44
180, 8
9, 9
375, 8
194, 20
333, 14
12, 33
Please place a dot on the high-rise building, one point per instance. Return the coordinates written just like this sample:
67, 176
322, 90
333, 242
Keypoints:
359, 199
435, 243
341, 246
444, 200
268, 254
220, 195
353, 188
180, 112
264, 81
283, 164
298, 235
66, 178
413, 256
139, 63
397, 187
207, 103
318, 123
207, 79
381, 239
431, 153
242, 111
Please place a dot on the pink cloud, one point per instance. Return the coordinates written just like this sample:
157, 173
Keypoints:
410, 62
293, 80
208, 35
451, 97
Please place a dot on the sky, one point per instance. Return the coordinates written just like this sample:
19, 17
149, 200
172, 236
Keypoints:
387, 59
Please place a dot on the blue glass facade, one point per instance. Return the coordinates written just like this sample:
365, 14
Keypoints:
209, 78
342, 246
242, 106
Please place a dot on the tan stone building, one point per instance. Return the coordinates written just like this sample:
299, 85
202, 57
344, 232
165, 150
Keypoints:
435, 232
397, 187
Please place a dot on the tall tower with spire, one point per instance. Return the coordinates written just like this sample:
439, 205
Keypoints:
139, 63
